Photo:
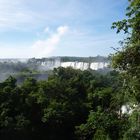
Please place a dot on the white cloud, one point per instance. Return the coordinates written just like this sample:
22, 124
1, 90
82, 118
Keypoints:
43, 48
46, 30
16, 15
62, 30
40, 48
28, 14
31, 15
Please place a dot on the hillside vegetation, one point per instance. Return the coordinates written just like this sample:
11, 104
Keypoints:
71, 104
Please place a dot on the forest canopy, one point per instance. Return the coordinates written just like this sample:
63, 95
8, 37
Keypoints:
71, 104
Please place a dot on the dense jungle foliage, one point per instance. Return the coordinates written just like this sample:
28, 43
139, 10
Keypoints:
71, 104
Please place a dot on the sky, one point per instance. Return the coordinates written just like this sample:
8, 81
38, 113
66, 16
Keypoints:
44, 28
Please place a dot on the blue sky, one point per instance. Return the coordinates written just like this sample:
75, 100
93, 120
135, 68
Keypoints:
43, 28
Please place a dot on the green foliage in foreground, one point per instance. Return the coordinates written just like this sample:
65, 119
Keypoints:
127, 60
70, 105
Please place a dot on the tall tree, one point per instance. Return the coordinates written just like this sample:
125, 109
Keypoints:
127, 60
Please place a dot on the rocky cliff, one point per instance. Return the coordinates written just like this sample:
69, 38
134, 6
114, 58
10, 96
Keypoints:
82, 63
